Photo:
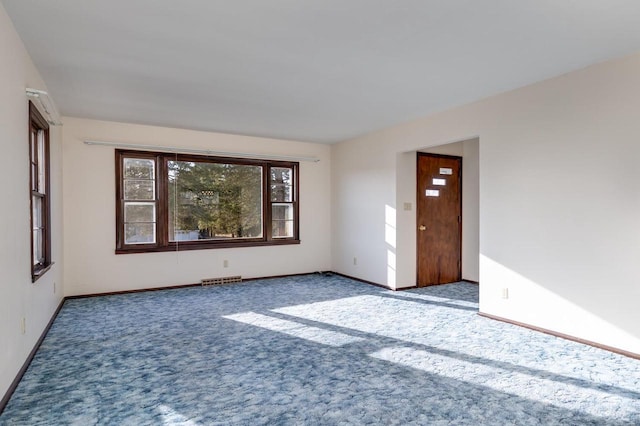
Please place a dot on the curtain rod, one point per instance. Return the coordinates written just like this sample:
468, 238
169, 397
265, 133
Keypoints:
53, 118
202, 151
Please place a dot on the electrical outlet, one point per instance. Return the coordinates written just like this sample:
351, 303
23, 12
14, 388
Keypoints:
355, 261
225, 263
23, 325
505, 293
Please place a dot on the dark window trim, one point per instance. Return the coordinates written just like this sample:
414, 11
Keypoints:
162, 243
38, 124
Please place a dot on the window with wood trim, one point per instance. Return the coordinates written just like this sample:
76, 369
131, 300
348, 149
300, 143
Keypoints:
39, 193
167, 202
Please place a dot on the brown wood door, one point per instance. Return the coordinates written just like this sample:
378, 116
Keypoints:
439, 219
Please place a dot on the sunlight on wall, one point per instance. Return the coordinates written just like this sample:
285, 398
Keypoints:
523, 293
391, 268
504, 290
500, 273
390, 225
390, 239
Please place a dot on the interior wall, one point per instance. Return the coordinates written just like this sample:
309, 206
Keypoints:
92, 265
19, 297
469, 151
559, 200
471, 210
406, 182
363, 205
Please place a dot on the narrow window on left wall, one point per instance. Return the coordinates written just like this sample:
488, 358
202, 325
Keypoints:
39, 193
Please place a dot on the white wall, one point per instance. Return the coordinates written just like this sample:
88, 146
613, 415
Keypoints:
405, 255
363, 206
406, 193
559, 200
388, 256
19, 298
89, 220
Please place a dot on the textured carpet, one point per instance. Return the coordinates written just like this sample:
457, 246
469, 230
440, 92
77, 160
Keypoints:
313, 350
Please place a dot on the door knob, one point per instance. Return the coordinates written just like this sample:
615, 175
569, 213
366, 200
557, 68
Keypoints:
422, 228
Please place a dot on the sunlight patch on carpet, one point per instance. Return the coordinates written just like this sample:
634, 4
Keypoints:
171, 417
292, 328
541, 389
436, 299
371, 314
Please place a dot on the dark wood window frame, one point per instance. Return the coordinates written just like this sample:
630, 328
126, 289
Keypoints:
39, 169
162, 241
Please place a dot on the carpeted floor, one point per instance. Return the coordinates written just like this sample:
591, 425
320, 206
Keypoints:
313, 350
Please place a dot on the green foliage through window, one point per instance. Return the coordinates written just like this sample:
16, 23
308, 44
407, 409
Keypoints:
214, 201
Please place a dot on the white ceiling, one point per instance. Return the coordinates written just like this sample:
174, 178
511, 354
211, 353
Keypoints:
312, 70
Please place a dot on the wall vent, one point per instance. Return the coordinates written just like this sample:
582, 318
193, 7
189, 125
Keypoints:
221, 280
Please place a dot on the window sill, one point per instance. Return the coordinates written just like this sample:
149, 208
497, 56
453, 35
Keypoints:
205, 246
38, 273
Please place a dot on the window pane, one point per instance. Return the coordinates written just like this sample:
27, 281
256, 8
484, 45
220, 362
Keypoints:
281, 175
38, 247
214, 201
281, 184
282, 220
281, 211
139, 212
140, 233
41, 163
139, 168
36, 205
139, 189
281, 193
282, 228
34, 177
32, 144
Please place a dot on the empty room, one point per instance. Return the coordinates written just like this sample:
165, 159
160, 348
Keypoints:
319, 212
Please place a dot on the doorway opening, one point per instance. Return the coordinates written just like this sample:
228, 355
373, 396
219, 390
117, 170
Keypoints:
439, 219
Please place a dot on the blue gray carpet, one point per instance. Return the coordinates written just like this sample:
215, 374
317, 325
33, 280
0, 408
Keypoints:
313, 350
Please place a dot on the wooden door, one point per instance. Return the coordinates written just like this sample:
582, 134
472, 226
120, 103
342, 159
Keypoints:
439, 219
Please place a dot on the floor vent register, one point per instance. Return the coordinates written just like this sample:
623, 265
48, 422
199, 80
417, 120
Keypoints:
221, 280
